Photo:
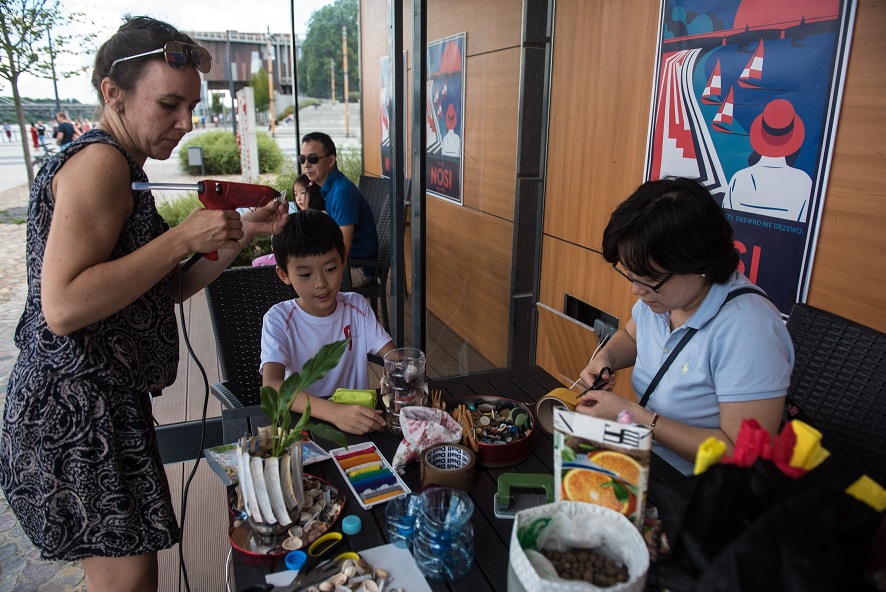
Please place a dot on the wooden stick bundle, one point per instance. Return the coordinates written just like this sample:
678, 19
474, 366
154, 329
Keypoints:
463, 417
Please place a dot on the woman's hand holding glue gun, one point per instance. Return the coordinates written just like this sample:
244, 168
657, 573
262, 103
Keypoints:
227, 195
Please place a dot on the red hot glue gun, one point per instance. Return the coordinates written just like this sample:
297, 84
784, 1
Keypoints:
222, 195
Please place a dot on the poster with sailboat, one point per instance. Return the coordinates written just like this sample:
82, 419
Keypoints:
746, 99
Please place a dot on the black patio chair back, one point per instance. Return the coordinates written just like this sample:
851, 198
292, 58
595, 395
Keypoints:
377, 193
238, 300
839, 381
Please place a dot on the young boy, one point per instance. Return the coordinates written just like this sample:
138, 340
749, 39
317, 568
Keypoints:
310, 255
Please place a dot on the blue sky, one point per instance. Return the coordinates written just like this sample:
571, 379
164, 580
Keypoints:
198, 15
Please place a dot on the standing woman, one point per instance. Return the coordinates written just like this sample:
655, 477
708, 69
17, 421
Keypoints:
79, 462
671, 240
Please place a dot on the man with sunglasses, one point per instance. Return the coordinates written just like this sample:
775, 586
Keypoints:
344, 202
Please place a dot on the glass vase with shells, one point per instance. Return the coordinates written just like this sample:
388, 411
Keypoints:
269, 465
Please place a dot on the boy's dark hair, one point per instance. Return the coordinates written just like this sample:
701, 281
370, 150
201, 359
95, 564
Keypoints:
325, 141
307, 233
673, 223
136, 35
315, 200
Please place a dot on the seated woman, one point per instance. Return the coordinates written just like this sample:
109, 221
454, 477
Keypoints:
673, 243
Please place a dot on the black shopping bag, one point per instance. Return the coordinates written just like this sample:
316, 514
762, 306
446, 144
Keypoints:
754, 529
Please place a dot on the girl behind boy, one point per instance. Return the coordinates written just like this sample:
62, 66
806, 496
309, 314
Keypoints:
307, 194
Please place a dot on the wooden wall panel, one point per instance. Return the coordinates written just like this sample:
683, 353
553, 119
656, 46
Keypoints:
490, 139
600, 94
373, 45
469, 275
849, 273
572, 269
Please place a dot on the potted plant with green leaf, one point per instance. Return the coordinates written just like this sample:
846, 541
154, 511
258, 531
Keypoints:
269, 465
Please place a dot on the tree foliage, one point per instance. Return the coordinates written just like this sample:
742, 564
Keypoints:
259, 84
26, 48
323, 44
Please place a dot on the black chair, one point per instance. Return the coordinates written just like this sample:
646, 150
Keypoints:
839, 382
377, 193
238, 300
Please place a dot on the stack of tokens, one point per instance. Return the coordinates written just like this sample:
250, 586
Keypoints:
500, 423
369, 474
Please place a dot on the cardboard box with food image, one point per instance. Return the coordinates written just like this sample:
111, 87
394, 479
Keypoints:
602, 462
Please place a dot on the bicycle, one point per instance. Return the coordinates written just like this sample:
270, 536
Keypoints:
42, 158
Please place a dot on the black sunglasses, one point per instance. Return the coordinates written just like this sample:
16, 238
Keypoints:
311, 158
654, 288
177, 55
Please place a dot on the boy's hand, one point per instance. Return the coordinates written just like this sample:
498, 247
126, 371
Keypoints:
357, 419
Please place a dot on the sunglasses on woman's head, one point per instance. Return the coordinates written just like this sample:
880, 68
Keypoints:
177, 55
310, 158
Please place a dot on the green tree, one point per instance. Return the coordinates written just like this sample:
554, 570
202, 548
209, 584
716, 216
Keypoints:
323, 43
25, 48
259, 84
216, 104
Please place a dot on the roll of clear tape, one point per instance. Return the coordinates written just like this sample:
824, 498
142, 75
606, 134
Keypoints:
559, 398
448, 465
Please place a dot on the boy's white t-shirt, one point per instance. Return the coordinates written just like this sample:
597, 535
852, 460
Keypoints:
291, 337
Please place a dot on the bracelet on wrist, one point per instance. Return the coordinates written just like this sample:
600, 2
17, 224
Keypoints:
653, 421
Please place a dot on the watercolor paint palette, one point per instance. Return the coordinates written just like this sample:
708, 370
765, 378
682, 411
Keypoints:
368, 474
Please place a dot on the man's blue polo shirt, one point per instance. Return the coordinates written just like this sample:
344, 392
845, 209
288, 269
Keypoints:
741, 353
347, 206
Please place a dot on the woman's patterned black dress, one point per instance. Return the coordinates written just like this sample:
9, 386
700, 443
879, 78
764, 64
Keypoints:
79, 462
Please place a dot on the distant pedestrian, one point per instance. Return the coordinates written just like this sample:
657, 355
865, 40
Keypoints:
65, 131
8, 131
41, 132
34, 136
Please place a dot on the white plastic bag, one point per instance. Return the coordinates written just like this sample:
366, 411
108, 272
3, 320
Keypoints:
579, 525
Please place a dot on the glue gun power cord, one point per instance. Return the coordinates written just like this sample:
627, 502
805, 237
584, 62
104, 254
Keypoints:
181, 313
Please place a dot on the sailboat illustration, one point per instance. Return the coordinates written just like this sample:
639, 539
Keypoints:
753, 72
711, 94
723, 119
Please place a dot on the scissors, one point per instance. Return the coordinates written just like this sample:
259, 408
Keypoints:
318, 565
600, 382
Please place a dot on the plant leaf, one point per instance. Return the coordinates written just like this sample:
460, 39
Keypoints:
567, 453
269, 399
327, 432
325, 360
289, 389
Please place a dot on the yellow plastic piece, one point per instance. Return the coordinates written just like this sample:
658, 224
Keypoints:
807, 446
709, 453
868, 491
367, 398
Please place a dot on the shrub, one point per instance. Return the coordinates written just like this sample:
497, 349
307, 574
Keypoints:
286, 113
354, 96
221, 155
177, 210
308, 103
350, 163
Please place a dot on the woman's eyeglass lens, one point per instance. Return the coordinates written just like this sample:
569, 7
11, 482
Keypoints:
177, 55
654, 288
310, 158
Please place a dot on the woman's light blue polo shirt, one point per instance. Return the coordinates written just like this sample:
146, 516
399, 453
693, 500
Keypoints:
741, 353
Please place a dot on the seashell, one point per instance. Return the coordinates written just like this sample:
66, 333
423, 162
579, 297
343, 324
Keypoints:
380, 573
319, 504
357, 579
349, 571
326, 586
324, 517
296, 531
362, 567
346, 564
342, 589
304, 517
293, 543
338, 579
368, 586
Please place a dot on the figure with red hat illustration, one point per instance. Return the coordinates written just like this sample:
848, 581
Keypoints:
771, 186
451, 141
